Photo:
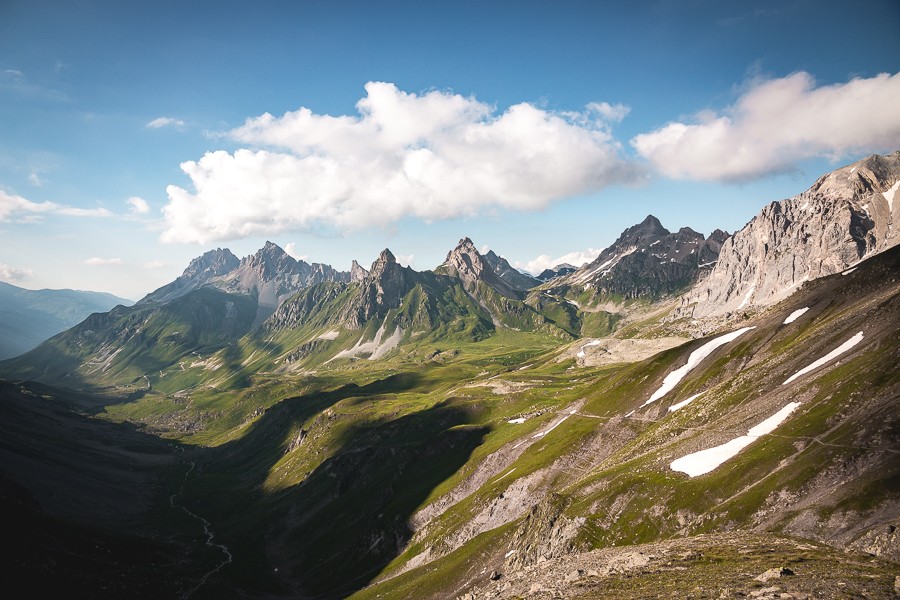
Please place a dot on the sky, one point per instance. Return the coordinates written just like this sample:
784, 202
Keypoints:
134, 136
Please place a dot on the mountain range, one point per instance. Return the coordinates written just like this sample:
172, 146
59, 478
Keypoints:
28, 317
684, 416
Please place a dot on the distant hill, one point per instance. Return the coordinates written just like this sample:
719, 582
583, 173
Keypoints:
28, 317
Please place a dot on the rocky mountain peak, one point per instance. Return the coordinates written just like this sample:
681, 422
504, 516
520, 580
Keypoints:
212, 264
647, 260
844, 217
201, 270
465, 261
384, 263
357, 272
271, 261
513, 277
646, 231
560, 270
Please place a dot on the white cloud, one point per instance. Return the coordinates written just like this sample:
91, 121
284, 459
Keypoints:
161, 122
97, 261
139, 206
155, 264
13, 274
406, 260
776, 124
432, 156
291, 250
545, 261
609, 112
17, 209
35, 179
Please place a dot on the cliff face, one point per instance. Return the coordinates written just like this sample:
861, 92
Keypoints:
648, 261
844, 217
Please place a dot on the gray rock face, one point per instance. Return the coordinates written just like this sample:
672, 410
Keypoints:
382, 289
357, 273
467, 264
559, 270
648, 261
844, 217
273, 275
501, 267
199, 272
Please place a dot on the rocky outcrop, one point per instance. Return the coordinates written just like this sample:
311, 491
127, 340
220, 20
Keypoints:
273, 275
199, 272
844, 217
382, 289
648, 261
559, 270
357, 273
470, 267
501, 267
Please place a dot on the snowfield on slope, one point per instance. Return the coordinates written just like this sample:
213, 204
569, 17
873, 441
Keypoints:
704, 461
827, 358
673, 378
684, 403
795, 315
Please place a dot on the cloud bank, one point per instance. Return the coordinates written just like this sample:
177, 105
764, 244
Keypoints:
776, 124
97, 261
13, 274
16, 209
432, 156
545, 261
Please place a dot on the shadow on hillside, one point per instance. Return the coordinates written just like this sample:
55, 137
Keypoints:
334, 532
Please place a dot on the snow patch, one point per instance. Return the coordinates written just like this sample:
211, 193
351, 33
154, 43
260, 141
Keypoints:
573, 303
889, 195
376, 348
827, 358
848, 271
795, 315
694, 359
588, 345
329, 335
684, 403
707, 460
552, 427
518, 421
747, 297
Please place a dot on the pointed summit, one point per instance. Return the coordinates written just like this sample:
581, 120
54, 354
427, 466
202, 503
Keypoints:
383, 288
357, 273
470, 267
201, 270
505, 271
648, 261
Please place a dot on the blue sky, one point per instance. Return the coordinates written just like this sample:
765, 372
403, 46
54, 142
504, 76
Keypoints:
539, 129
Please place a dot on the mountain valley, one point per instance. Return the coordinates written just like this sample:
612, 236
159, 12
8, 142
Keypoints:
684, 416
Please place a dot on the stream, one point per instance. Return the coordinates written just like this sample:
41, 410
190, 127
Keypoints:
210, 536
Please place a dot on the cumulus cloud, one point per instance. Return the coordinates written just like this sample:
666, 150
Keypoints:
406, 260
13, 274
138, 205
544, 261
432, 156
97, 261
610, 112
155, 264
16, 209
291, 250
35, 179
160, 122
776, 123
